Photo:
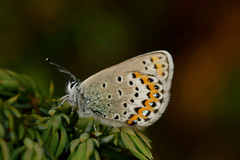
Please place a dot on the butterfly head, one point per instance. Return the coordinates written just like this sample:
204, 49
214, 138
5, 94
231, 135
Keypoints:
73, 92
71, 87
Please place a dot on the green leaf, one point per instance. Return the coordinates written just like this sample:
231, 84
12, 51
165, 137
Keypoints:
67, 144
54, 142
65, 117
38, 137
28, 142
128, 130
141, 147
73, 118
44, 111
111, 147
107, 139
89, 125
73, 144
4, 75
114, 130
57, 123
120, 142
11, 123
52, 111
9, 85
96, 134
115, 141
28, 154
51, 91
11, 100
96, 154
46, 132
31, 132
84, 136
70, 157
21, 131
62, 141
96, 142
90, 147
127, 141
109, 129
14, 111
2, 130
81, 151
64, 110
104, 128
34, 117
149, 152
5, 149
40, 126
47, 152
44, 120
38, 151
48, 140
17, 151
144, 138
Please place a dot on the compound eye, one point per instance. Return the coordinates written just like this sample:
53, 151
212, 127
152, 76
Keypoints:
72, 84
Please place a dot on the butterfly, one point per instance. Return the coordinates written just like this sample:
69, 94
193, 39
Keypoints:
134, 93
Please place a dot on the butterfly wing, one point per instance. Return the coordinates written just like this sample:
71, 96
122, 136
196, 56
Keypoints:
132, 93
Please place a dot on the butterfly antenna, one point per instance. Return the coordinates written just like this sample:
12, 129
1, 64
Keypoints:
61, 69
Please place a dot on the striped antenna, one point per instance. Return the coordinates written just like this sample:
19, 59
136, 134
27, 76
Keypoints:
61, 69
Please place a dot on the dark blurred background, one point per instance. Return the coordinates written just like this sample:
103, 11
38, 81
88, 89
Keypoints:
202, 120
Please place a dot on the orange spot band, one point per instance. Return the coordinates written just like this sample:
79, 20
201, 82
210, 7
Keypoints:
151, 87
138, 75
159, 66
140, 111
152, 97
132, 119
145, 80
146, 104
154, 59
160, 72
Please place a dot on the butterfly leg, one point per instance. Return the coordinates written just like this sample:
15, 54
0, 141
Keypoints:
73, 109
94, 127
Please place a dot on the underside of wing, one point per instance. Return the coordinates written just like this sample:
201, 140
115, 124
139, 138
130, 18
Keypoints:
134, 92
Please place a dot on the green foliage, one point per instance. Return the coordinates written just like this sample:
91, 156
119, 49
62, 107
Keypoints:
32, 127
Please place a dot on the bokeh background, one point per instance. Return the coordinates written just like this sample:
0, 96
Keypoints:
202, 120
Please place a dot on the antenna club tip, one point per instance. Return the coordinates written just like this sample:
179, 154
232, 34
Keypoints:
48, 60
61, 69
